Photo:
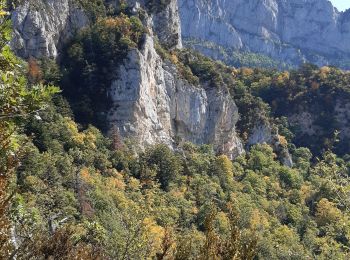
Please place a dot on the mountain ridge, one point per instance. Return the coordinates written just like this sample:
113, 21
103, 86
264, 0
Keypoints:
295, 31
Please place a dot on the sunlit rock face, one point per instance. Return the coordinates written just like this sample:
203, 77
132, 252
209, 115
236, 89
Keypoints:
41, 27
293, 31
153, 104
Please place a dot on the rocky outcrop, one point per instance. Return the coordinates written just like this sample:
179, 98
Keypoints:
262, 133
153, 104
42, 26
292, 31
309, 123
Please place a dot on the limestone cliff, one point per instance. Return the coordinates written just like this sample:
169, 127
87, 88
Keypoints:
152, 104
312, 121
293, 31
266, 133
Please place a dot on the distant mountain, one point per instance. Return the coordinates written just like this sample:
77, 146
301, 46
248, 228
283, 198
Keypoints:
291, 32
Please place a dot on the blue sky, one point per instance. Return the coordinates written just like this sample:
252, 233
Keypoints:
342, 5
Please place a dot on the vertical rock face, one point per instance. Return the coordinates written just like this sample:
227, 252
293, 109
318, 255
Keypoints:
293, 31
167, 25
152, 104
41, 26
307, 120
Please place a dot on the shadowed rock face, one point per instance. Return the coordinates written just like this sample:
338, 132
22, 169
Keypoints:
293, 31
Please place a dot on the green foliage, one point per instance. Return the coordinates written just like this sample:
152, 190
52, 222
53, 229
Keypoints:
82, 195
161, 202
318, 92
166, 165
237, 58
51, 72
217, 74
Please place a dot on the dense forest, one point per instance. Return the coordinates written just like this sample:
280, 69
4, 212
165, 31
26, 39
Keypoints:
70, 190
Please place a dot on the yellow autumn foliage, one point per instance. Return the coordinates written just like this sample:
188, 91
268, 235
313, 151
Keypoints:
247, 71
226, 165
258, 220
86, 176
283, 77
305, 191
134, 184
282, 140
324, 71
89, 138
223, 221
154, 234
116, 183
72, 128
327, 212
174, 58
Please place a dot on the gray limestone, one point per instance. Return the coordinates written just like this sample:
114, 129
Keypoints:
42, 26
153, 104
294, 31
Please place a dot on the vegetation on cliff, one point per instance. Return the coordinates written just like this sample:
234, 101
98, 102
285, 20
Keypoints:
90, 61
